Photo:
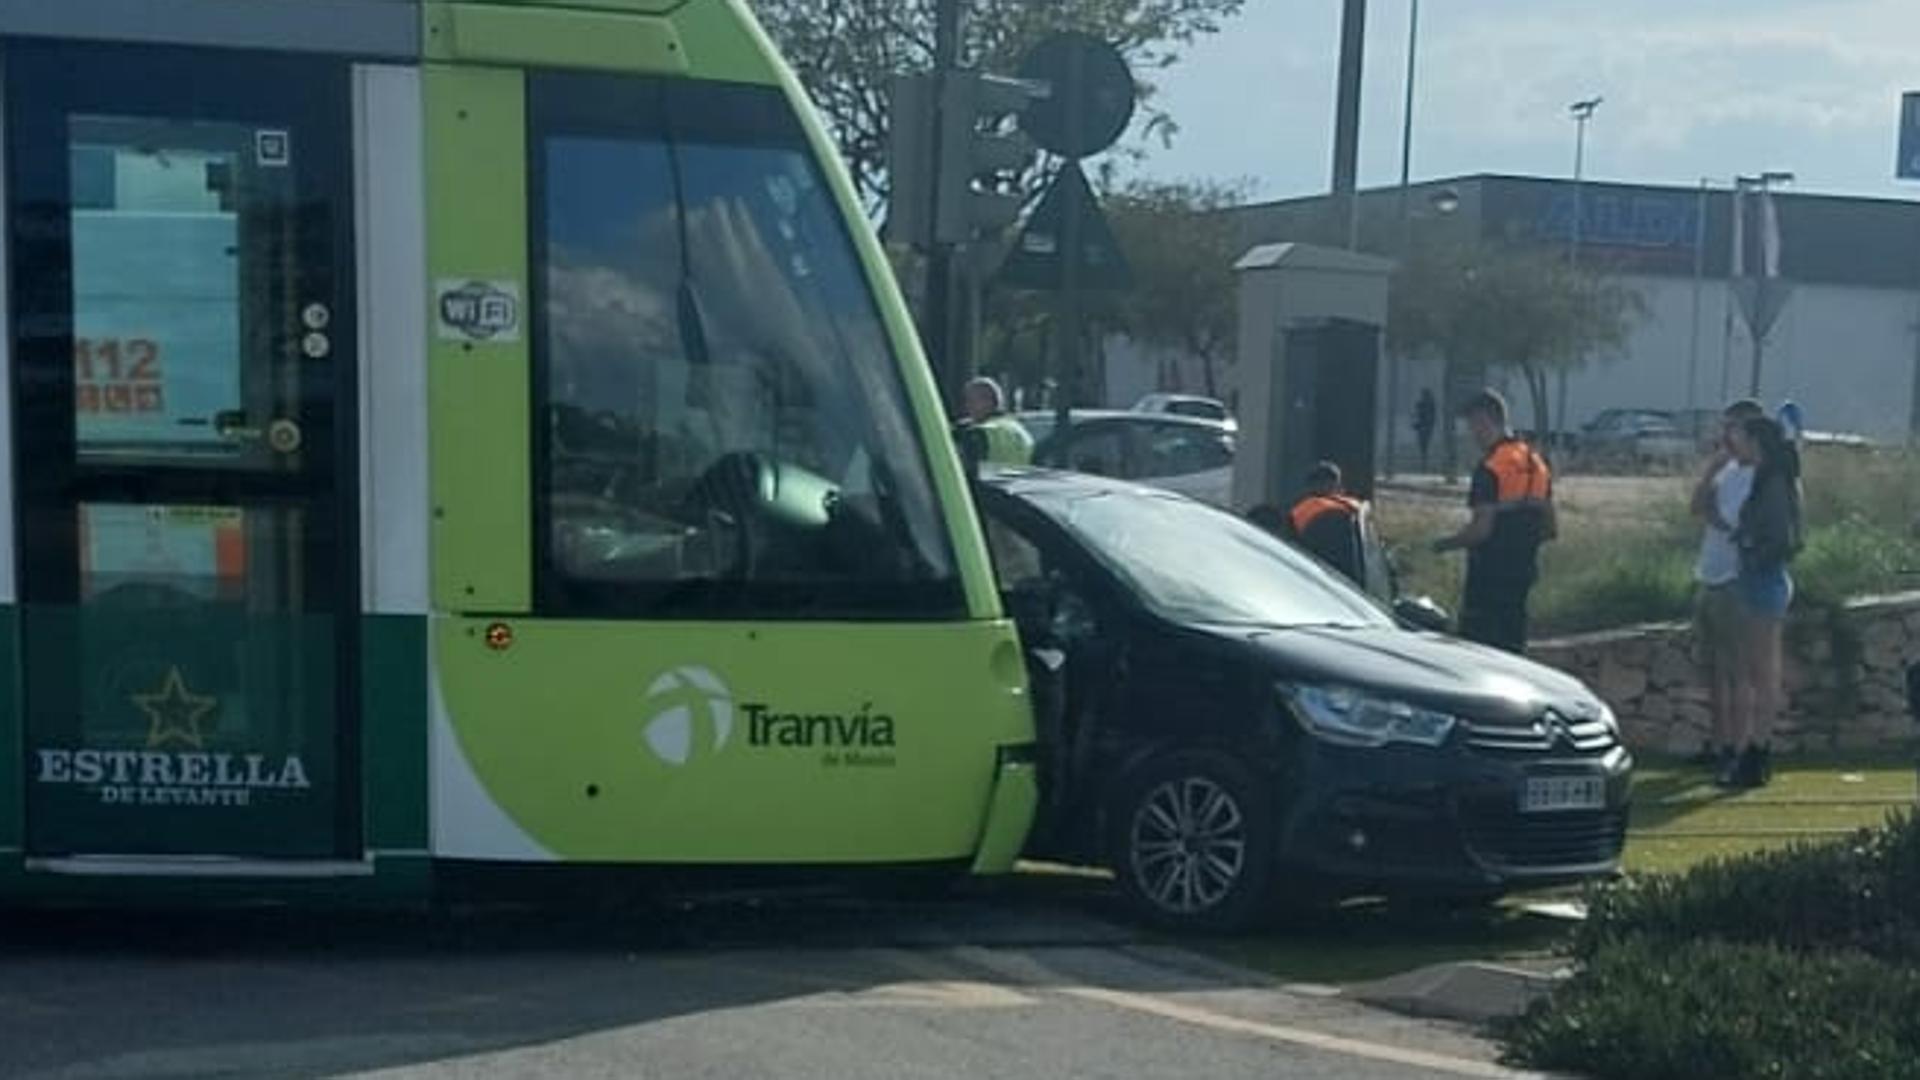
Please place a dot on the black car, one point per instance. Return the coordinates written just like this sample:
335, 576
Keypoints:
1229, 725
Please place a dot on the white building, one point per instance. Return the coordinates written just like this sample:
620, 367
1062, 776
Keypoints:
1846, 346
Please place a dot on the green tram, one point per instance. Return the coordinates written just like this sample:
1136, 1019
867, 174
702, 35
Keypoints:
451, 436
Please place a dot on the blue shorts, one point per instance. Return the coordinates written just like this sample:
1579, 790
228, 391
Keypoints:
1766, 594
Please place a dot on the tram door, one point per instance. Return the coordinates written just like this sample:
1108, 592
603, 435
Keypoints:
180, 237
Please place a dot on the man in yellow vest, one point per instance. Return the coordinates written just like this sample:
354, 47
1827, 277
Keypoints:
997, 437
1513, 515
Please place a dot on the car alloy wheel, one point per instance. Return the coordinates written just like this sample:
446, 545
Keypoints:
1187, 845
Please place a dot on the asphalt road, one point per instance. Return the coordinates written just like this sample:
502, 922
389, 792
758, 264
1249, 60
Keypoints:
736, 990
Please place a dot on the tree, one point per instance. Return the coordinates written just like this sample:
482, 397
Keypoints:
846, 51
1509, 307
1180, 243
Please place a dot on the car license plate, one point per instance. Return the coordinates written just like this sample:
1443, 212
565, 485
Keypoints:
1553, 794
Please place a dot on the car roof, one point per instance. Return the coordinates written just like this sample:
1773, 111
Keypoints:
1026, 480
1127, 416
1195, 399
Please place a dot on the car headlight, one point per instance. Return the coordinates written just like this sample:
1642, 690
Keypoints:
1349, 717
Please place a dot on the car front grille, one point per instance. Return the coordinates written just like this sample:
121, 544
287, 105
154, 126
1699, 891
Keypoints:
1545, 841
1549, 733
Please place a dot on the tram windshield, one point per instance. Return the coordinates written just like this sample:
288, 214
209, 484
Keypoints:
726, 428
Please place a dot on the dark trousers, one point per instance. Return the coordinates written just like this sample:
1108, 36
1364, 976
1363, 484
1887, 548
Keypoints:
1495, 613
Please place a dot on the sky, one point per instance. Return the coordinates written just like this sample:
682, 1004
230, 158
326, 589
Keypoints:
1693, 89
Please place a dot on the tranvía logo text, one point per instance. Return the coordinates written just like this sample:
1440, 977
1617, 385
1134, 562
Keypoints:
691, 713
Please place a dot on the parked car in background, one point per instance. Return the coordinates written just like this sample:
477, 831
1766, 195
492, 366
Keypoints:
1179, 453
1203, 408
1702, 426
1633, 437
1039, 423
1229, 725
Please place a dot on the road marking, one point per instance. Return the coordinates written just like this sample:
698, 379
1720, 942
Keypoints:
1027, 970
917, 995
929, 984
1206, 1018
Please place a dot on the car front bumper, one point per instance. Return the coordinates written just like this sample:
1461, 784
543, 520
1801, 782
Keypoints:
1450, 819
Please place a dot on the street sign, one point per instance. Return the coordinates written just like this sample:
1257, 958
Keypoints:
1092, 99
1909, 166
1038, 260
1761, 301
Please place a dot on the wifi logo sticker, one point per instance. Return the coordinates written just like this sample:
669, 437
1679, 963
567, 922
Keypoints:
690, 708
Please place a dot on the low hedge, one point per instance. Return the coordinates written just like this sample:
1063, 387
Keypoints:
1644, 1008
1801, 963
1861, 894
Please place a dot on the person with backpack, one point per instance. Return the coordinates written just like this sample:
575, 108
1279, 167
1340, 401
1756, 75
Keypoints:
1768, 536
1717, 498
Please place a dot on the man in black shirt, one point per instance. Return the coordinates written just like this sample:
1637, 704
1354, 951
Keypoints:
1513, 515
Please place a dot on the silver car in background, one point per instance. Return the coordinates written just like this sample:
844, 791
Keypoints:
1188, 455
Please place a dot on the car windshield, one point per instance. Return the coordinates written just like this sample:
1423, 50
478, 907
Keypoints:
1192, 563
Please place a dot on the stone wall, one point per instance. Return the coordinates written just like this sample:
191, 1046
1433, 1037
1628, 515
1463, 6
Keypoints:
1845, 677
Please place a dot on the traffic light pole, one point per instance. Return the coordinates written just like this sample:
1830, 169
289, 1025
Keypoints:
937, 335
1067, 339
1346, 123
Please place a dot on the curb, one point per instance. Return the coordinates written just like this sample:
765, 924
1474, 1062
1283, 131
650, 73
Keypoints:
1473, 992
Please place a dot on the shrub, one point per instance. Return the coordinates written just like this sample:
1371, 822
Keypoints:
1803, 962
1853, 557
1596, 584
1882, 488
1857, 894
1647, 1008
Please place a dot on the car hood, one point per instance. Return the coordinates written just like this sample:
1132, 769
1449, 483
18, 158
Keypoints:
1426, 669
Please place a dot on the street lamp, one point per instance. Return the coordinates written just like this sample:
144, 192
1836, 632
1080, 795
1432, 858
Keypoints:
1582, 113
1699, 280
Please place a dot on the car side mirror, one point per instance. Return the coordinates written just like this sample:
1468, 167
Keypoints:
1421, 613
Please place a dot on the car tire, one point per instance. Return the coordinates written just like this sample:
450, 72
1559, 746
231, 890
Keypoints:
1193, 844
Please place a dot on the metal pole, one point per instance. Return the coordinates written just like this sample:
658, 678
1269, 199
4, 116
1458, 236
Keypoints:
938, 332
1699, 280
1761, 286
1346, 129
1582, 112
1579, 177
1396, 362
1068, 341
1726, 345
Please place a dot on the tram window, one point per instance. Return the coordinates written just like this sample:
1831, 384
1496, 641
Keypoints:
723, 425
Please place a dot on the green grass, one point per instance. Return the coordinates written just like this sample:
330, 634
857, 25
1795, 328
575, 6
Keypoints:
1680, 819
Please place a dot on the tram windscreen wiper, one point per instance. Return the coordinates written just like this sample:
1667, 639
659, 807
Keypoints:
693, 324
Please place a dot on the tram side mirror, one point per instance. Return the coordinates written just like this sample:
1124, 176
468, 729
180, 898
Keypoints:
1421, 613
